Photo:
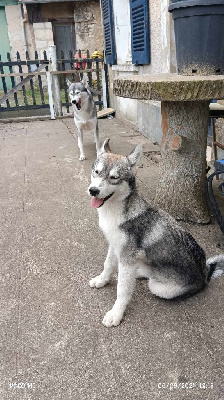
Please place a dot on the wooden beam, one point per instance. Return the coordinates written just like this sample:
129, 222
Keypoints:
22, 74
73, 71
68, 72
104, 113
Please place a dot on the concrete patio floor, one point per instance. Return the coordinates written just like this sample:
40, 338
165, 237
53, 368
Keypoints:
53, 344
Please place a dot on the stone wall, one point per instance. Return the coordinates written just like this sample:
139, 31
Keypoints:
88, 26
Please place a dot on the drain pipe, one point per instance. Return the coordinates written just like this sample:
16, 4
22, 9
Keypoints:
23, 27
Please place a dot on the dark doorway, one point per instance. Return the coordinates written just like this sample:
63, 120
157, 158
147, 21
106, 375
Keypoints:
64, 39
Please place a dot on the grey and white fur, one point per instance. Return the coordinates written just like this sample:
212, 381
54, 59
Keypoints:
85, 114
143, 240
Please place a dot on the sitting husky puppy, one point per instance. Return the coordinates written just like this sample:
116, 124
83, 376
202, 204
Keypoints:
85, 114
143, 241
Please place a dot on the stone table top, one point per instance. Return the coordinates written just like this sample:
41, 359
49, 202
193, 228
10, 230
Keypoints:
170, 87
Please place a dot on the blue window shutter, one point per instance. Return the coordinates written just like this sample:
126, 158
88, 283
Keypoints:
108, 25
140, 31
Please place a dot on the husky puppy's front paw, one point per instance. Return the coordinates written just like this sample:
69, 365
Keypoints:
112, 318
82, 157
97, 282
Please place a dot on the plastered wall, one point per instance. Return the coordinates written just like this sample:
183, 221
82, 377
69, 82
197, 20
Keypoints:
15, 30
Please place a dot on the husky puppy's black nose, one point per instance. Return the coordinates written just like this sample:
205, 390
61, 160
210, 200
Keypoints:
94, 191
73, 101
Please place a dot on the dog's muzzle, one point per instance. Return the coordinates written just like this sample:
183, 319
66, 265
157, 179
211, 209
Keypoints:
96, 202
77, 103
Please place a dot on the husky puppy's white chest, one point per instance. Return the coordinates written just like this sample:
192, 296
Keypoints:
82, 122
109, 222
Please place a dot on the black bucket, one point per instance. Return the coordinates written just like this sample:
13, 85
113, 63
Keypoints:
199, 36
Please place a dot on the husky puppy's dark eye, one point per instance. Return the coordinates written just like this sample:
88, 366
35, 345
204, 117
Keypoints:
96, 172
114, 177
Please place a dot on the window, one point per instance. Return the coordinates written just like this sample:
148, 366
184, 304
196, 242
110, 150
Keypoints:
139, 13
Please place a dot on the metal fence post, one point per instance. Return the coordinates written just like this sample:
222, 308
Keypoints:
55, 80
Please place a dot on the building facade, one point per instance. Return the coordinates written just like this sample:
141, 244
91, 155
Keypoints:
33, 25
141, 41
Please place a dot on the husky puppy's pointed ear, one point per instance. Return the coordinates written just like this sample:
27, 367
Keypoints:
135, 155
105, 147
84, 82
68, 82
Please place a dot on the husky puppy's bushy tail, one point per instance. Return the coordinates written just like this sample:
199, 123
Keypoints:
215, 266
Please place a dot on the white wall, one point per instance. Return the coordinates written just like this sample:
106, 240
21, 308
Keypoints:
122, 30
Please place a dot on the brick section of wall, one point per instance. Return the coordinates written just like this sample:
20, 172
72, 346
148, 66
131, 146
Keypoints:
43, 36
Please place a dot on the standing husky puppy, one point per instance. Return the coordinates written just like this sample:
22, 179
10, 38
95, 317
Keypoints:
85, 114
143, 241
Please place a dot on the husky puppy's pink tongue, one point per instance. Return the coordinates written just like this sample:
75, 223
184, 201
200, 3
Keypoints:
95, 203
